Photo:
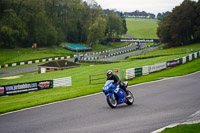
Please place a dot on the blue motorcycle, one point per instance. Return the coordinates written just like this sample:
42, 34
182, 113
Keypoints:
115, 95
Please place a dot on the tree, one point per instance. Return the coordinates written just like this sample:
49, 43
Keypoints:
178, 28
114, 26
97, 31
12, 29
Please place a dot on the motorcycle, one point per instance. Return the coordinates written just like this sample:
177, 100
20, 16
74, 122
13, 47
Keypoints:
115, 95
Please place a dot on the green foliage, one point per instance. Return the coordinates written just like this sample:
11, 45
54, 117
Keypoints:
50, 22
12, 29
97, 31
114, 25
181, 26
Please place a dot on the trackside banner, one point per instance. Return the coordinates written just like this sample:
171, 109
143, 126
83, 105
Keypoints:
25, 87
173, 63
132, 40
2, 91
157, 67
20, 88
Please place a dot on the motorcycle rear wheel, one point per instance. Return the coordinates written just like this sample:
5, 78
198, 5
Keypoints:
111, 102
129, 98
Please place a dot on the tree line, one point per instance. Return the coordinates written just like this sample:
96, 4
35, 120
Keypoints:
50, 22
139, 14
182, 25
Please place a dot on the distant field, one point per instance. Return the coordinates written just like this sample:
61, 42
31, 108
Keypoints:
142, 28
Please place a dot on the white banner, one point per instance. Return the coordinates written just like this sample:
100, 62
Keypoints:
190, 57
145, 70
195, 55
30, 62
130, 73
184, 60
62, 82
157, 67
14, 64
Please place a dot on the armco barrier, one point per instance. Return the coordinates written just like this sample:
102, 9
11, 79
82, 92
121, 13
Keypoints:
135, 72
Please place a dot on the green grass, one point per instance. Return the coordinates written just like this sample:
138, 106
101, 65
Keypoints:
142, 28
80, 81
80, 75
23, 54
99, 47
193, 128
175, 50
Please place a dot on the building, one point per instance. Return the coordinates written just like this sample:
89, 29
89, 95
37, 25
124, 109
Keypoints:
56, 65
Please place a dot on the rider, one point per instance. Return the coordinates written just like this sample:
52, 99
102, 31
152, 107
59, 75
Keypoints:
117, 81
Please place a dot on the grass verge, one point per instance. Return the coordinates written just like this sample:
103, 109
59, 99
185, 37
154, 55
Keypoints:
16, 102
193, 128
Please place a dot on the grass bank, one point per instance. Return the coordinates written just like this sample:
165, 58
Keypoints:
142, 28
174, 50
193, 128
23, 54
82, 87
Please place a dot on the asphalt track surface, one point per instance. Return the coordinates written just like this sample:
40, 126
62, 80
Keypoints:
123, 56
157, 104
18, 70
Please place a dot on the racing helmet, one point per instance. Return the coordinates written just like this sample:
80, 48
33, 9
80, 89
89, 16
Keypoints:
109, 73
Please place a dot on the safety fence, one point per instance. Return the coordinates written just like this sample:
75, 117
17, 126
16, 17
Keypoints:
101, 78
34, 86
98, 78
136, 72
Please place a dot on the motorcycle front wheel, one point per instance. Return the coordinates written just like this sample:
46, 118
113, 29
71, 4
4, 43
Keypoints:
111, 102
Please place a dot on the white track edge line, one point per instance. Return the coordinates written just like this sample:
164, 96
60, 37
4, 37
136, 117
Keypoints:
177, 124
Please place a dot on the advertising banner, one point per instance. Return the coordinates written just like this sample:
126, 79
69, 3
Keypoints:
45, 84
172, 63
21, 88
1, 91
132, 40
130, 73
157, 67
145, 70
184, 60
138, 72
61, 82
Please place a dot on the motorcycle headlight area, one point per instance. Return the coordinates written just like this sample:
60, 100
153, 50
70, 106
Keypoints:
105, 88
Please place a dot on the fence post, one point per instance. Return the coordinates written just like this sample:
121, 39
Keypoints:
89, 79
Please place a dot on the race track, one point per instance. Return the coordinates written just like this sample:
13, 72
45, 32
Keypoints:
157, 104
